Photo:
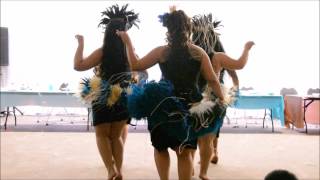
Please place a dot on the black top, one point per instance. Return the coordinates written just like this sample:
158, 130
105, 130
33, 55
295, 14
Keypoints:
183, 72
117, 71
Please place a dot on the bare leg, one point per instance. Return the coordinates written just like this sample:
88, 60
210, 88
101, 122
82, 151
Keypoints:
205, 147
125, 133
104, 147
215, 158
162, 160
117, 145
185, 164
192, 155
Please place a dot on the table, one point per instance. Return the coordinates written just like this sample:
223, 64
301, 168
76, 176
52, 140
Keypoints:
298, 108
262, 101
306, 102
33, 98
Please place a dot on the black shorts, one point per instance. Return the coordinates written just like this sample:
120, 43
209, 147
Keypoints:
161, 140
103, 114
218, 132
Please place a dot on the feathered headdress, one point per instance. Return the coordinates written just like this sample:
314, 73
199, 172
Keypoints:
204, 32
114, 12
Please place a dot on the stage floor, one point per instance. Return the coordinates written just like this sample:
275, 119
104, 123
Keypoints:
65, 150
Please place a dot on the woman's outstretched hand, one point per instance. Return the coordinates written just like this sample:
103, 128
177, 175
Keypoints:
79, 38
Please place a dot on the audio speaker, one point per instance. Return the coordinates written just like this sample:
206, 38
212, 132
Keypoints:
4, 50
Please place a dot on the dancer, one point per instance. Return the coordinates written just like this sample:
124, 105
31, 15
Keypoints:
105, 90
200, 23
170, 104
204, 35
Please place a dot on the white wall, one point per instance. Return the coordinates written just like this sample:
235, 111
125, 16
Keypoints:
286, 33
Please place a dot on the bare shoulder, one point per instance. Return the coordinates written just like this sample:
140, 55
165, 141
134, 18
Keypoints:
162, 52
193, 46
158, 50
219, 54
95, 56
196, 52
219, 57
161, 49
98, 52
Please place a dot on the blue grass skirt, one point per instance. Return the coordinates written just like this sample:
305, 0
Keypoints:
156, 102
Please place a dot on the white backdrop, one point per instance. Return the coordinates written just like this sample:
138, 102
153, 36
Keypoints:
286, 33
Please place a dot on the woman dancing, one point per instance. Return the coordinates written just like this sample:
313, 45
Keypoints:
104, 90
170, 103
205, 36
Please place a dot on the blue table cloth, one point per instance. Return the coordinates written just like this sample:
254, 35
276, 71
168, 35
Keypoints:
258, 101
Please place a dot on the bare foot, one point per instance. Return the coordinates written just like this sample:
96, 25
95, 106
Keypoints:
112, 177
214, 159
112, 174
118, 177
204, 177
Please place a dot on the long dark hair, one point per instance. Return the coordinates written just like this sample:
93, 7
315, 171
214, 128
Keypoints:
114, 58
205, 36
179, 29
178, 34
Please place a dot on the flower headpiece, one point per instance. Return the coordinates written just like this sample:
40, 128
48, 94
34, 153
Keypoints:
114, 12
204, 32
163, 18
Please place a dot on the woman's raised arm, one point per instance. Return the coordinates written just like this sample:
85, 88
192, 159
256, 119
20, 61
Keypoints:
145, 62
230, 63
82, 64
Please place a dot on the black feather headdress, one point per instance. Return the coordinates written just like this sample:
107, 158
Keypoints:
204, 32
115, 12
